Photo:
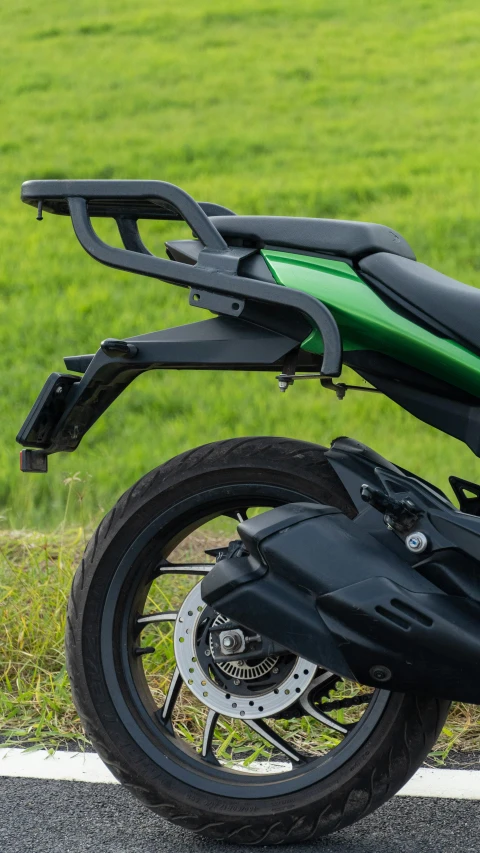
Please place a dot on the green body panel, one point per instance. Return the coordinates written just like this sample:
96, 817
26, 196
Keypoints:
367, 323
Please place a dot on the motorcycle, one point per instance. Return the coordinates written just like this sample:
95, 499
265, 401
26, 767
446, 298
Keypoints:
264, 635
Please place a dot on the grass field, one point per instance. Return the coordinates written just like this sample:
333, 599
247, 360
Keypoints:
350, 110
354, 110
35, 703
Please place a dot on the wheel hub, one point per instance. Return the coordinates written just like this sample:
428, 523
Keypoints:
242, 694
238, 669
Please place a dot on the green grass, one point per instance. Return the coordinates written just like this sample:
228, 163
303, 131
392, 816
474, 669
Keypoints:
35, 576
351, 110
35, 702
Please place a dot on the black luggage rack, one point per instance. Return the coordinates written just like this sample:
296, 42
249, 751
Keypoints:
260, 325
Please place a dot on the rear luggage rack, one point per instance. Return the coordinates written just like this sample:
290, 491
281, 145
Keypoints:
260, 326
217, 268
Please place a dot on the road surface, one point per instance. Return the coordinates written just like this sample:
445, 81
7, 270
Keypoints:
38, 816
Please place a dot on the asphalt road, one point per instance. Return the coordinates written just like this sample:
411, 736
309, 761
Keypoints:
73, 817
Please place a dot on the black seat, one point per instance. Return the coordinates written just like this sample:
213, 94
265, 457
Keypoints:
444, 304
334, 237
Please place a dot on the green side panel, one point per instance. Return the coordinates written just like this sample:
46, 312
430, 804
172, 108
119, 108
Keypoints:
367, 323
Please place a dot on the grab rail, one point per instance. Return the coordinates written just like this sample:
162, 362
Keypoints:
217, 268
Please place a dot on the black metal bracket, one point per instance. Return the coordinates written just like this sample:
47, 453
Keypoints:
340, 388
467, 494
217, 268
400, 515
216, 302
69, 405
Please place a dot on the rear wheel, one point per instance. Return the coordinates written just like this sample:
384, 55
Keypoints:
267, 750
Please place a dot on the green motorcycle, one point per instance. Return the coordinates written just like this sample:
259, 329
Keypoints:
265, 635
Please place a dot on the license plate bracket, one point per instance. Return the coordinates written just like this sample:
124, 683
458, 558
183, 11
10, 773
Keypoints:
47, 410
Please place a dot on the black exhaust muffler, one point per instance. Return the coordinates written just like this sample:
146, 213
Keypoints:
327, 590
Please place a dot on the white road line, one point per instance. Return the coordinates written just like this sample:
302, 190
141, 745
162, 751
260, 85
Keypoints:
88, 767
62, 766
444, 784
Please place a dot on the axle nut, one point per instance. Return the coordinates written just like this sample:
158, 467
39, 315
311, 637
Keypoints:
416, 542
232, 642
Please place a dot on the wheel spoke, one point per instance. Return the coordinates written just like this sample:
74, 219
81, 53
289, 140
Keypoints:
274, 739
164, 714
144, 650
264, 739
347, 702
238, 514
167, 616
321, 679
327, 679
313, 711
186, 568
208, 734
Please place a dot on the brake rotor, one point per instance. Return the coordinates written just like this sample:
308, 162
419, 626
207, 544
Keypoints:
200, 679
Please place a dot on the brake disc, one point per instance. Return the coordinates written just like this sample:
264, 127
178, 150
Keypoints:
201, 682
